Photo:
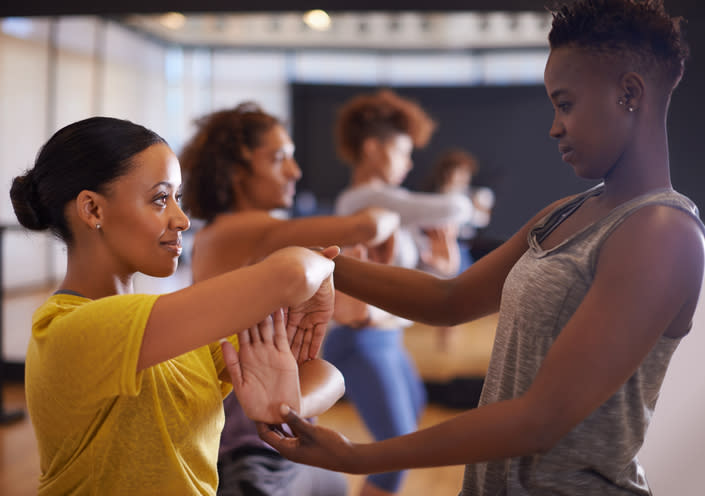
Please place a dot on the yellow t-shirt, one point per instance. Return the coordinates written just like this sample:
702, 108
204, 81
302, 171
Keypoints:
103, 428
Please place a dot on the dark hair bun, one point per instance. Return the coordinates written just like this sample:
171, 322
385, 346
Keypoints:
25, 201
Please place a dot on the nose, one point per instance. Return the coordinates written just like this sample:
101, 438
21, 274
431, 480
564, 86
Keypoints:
179, 219
293, 169
557, 129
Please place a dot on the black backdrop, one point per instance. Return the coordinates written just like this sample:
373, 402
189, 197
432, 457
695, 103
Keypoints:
506, 127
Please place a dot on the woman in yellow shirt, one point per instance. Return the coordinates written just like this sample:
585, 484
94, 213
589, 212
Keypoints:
125, 390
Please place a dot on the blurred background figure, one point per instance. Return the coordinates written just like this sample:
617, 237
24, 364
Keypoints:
453, 172
445, 251
376, 134
240, 179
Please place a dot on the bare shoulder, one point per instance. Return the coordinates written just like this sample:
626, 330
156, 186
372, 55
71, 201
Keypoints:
662, 243
240, 227
668, 228
229, 242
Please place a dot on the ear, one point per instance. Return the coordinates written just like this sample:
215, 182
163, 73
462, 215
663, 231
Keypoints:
89, 207
632, 84
371, 148
239, 171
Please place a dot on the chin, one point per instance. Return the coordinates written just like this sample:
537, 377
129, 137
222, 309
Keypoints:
164, 271
586, 173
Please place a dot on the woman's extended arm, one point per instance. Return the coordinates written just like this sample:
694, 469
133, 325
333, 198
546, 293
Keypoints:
369, 226
262, 234
225, 304
421, 297
419, 209
622, 316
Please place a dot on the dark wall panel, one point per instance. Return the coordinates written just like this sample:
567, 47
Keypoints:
686, 120
505, 127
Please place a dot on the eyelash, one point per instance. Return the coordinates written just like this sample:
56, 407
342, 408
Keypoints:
164, 197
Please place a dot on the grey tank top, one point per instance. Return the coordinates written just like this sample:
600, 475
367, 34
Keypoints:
540, 294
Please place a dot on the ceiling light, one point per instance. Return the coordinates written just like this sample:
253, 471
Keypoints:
317, 19
173, 20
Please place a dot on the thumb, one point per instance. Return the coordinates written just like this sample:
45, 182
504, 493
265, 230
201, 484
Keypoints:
331, 252
297, 424
232, 362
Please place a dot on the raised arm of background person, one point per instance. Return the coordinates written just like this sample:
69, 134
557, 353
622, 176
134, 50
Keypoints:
425, 298
418, 209
370, 226
226, 304
623, 315
239, 239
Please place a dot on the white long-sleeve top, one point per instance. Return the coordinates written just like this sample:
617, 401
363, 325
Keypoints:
416, 210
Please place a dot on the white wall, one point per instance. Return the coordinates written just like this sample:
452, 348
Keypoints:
674, 452
93, 68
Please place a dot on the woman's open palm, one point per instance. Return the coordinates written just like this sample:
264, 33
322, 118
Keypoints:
264, 372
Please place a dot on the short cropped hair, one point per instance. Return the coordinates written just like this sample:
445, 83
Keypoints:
640, 32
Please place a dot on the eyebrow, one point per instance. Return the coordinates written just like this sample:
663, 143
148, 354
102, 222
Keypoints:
163, 183
557, 93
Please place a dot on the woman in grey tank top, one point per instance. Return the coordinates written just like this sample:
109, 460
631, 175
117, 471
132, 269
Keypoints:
594, 293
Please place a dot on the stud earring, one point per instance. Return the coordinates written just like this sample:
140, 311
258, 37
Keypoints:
97, 226
630, 108
620, 101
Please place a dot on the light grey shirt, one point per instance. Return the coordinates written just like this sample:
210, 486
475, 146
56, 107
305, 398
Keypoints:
540, 295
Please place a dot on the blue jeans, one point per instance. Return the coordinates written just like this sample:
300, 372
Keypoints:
381, 381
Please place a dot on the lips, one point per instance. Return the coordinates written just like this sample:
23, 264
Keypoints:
173, 246
566, 152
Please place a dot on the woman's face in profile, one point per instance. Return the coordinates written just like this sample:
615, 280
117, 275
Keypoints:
142, 217
458, 181
271, 183
396, 158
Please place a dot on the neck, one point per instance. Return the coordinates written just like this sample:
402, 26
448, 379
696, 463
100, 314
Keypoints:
365, 175
86, 275
643, 167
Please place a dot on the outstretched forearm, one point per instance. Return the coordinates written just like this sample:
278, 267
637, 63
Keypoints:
496, 431
422, 297
408, 293
321, 386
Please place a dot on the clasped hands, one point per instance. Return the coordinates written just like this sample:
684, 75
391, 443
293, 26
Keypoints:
265, 370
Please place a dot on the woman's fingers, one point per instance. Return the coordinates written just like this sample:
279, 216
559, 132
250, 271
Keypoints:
245, 337
266, 330
281, 341
297, 342
305, 351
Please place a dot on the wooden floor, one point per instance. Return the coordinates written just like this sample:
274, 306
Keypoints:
465, 352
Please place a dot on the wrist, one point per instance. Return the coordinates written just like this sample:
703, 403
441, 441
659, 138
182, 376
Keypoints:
360, 323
